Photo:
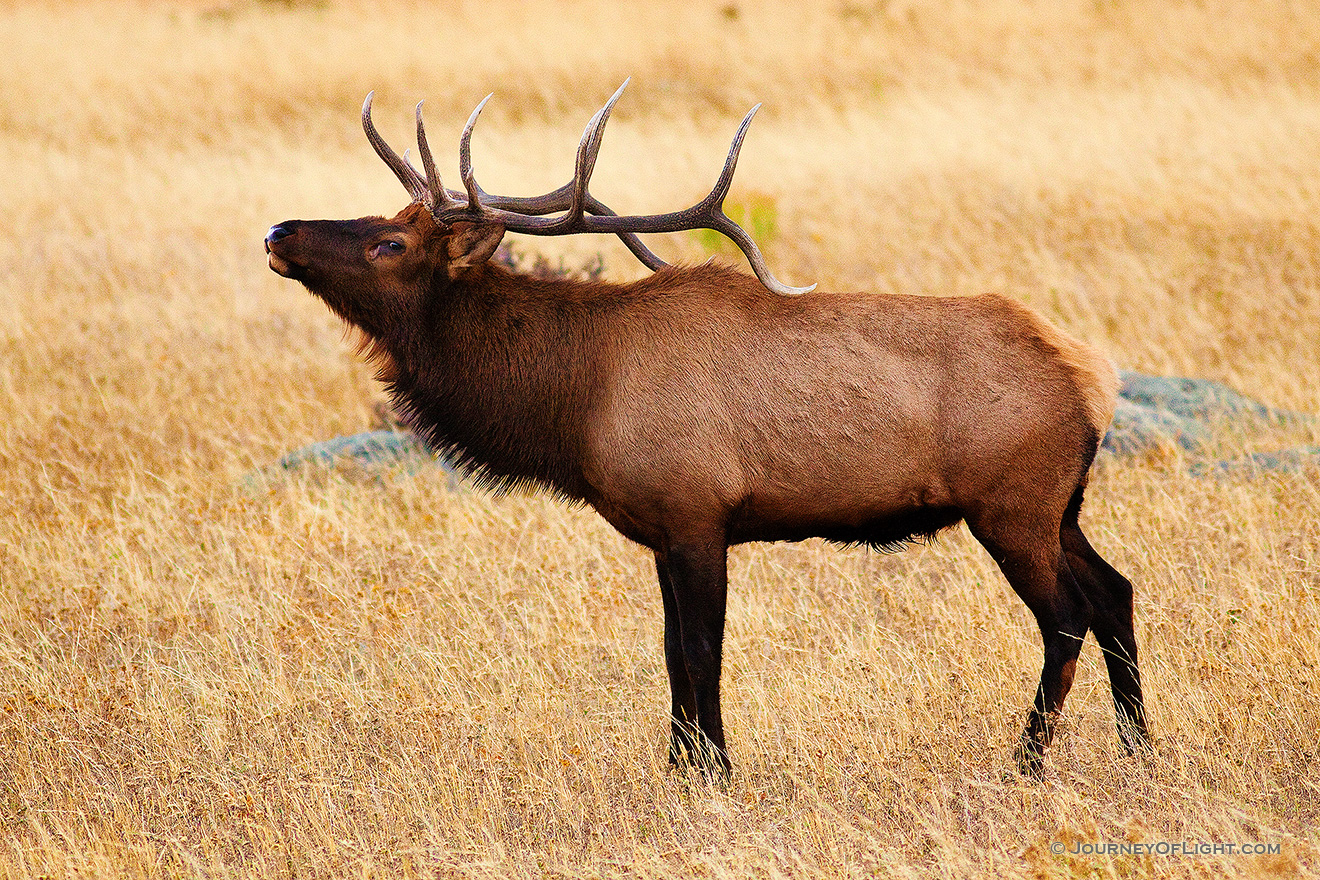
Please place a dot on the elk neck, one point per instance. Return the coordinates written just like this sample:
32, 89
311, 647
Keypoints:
498, 375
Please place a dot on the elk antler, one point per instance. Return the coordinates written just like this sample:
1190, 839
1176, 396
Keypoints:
582, 212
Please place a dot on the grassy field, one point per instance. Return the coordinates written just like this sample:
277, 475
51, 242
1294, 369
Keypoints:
333, 678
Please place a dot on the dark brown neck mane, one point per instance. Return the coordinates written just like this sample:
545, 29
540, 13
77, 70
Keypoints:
502, 379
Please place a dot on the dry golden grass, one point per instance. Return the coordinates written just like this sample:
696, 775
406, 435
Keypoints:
348, 679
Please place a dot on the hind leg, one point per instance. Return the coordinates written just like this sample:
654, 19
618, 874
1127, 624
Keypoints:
1110, 595
1032, 560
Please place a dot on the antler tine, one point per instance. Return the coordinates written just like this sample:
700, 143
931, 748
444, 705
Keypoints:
716, 197
407, 175
407, 160
437, 197
725, 224
588, 150
474, 192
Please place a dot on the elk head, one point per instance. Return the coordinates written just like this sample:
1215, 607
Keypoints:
374, 272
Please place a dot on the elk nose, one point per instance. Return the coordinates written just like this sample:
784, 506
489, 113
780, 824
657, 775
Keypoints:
283, 230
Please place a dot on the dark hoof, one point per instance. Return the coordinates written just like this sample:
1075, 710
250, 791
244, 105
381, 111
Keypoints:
710, 762
1030, 759
1136, 740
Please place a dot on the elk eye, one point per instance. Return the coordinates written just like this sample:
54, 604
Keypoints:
389, 246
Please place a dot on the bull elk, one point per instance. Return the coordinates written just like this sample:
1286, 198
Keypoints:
693, 410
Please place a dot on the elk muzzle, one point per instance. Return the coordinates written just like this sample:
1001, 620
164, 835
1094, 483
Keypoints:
279, 264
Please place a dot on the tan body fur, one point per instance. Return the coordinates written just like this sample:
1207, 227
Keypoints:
833, 411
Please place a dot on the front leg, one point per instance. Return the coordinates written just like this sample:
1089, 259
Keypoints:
683, 702
693, 580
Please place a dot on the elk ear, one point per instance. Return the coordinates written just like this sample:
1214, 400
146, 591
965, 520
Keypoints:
471, 244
